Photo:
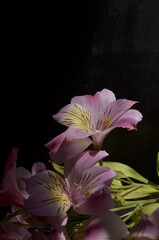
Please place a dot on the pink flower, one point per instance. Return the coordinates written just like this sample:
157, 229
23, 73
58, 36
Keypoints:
147, 228
107, 226
91, 116
85, 188
10, 231
12, 188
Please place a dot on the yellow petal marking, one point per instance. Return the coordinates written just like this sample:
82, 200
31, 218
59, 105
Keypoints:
58, 194
79, 117
106, 122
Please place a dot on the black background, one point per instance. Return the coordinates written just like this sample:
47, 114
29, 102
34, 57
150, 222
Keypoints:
53, 51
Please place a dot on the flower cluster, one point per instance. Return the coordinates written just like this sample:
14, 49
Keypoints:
83, 196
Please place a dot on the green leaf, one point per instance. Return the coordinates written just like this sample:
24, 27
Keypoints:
125, 170
147, 210
157, 164
140, 192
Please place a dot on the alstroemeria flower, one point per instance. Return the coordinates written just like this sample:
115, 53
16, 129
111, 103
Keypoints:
92, 116
12, 188
107, 226
147, 228
10, 231
85, 188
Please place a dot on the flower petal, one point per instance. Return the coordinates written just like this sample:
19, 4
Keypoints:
96, 203
38, 167
106, 227
9, 190
11, 231
48, 195
75, 115
145, 229
76, 166
117, 109
95, 177
67, 145
22, 173
155, 217
129, 119
57, 235
99, 101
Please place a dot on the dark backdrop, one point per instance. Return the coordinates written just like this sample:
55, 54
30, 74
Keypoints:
52, 51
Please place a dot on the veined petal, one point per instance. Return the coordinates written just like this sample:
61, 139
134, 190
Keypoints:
145, 229
129, 119
48, 195
75, 115
76, 166
117, 109
95, 177
96, 103
95, 203
67, 145
107, 226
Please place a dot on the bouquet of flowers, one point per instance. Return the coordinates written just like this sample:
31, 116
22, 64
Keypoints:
82, 196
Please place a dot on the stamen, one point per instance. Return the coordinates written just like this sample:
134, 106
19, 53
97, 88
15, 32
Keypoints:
106, 122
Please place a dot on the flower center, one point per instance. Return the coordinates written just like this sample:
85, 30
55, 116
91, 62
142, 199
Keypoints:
106, 122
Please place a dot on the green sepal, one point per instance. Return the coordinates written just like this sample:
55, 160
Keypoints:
148, 209
58, 168
140, 191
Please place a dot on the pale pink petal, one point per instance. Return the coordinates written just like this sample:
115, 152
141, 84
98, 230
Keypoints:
145, 229
90, 180
75, 115
98, 138
107, 226
75, 167
56, 142
47, 195
117, 109
66, 146
84, 111
95, 177
96, 103
38, 167
97, 202
129, 119
9, 190
22, 173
